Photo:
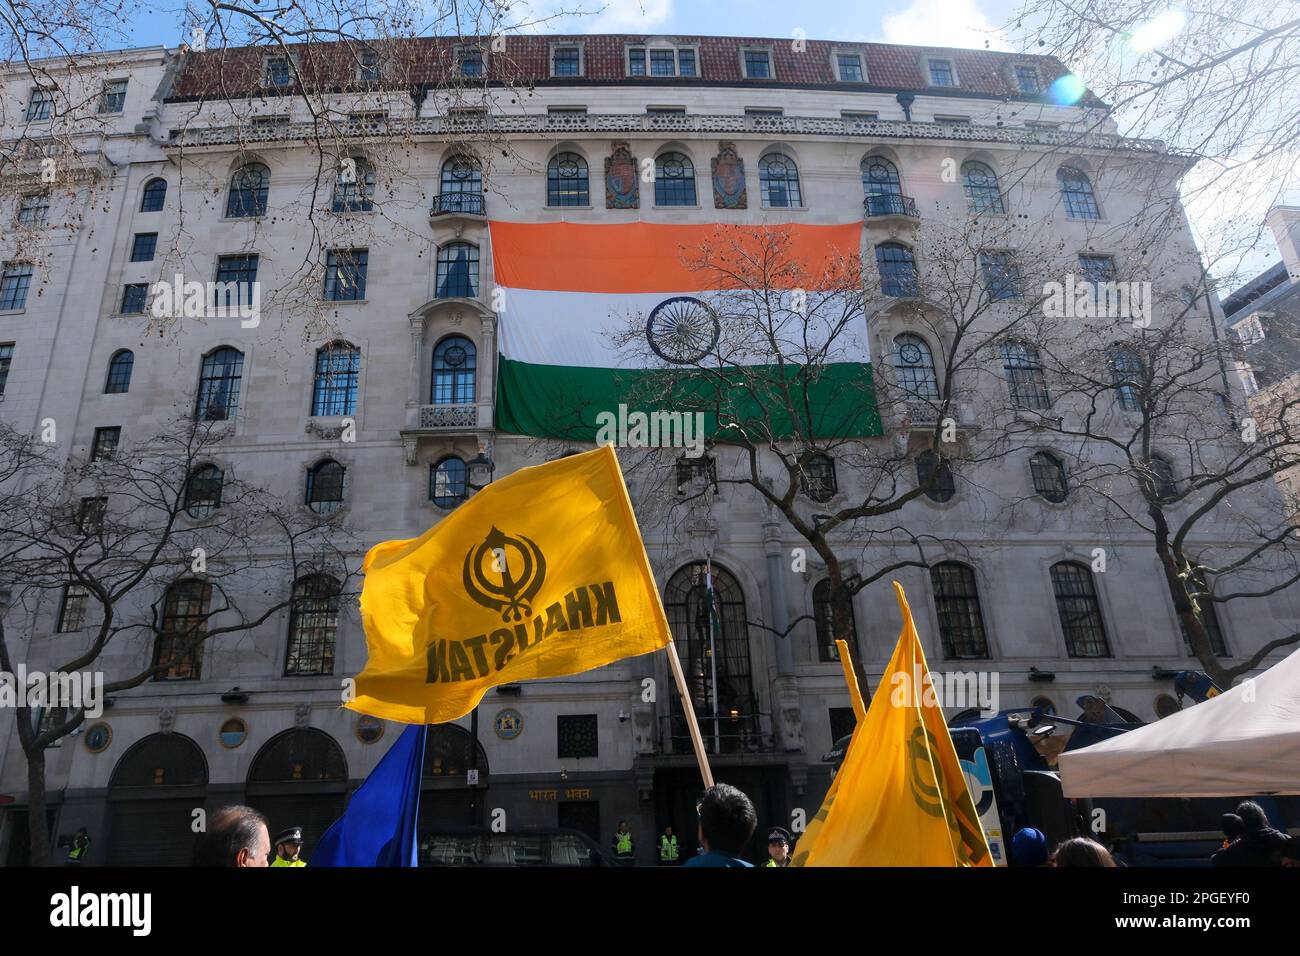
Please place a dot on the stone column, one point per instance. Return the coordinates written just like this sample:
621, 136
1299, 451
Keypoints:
787, 719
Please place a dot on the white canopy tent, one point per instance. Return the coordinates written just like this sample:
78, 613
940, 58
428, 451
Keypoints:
1245, 742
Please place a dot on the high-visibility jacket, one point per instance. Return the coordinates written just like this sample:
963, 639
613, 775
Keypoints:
623, 843
281, 861
668, 848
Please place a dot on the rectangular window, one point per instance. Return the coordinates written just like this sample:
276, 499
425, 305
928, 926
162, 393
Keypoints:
1095, 270
113, 98
663, 62
636, 61
941, 73
90, 519
143, 246
1250, 330
235, 278
34, 209
850, 66
843, 723
763, 111
41, 105
6, 357
72, 612
345, 275
953, 120
575, 736
758, 65
1001, 275
854, 116
665, 110
270, 122
134, 297
469, 61
686, 63
566, 111
277, 71
14, 282
106, 440
368, 67
1027, 79
566, 61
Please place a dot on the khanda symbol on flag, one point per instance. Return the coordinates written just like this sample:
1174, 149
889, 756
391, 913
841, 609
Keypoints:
468, 606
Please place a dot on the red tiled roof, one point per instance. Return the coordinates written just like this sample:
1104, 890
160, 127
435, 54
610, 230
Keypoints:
525, 61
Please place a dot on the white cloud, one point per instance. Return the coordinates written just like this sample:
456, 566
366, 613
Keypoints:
957, 23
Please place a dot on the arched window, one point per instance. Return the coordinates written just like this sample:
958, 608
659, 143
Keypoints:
354, 186
178, 650
710, 627
447, 486
154, 195
457, 271
1048, 473
957, 604
824, 620
454, 361
883, 188
249, 186
566, 181
1025, 379
1196, 587
778, 180
818, 478
674, 180
203, 491
219, 381
120, 367
1127, 372
980, 183
325, 487
338, 369
1161, 473
934, 474
914, 367
461, 187
1076, 192
313, 623
897, 269
1079, 609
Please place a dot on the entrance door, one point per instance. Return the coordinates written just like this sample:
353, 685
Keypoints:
678, 789
581, 815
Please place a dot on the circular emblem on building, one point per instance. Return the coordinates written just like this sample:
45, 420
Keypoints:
233, 733
98, 737
369, 729
682, 330
508, 723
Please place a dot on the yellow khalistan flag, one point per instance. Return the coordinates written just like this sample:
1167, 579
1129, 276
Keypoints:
900, 797
540, 574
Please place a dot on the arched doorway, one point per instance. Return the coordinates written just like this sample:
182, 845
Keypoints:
299, 778
152, 795
446, 797
713, 644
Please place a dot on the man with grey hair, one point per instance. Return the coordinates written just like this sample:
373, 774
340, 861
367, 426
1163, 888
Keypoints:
235, 836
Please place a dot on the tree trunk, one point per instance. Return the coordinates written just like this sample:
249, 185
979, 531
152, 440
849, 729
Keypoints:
1184, 609
38, 831
842, 625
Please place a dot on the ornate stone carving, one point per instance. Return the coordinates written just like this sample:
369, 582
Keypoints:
327, 432
166, 720
622, 184
302, 715
728, 178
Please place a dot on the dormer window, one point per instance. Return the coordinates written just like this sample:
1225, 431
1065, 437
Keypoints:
278, 73
469, 61
566, 61
661, 60
848, 68
941, 73
758, 64
1027, 80
368, 67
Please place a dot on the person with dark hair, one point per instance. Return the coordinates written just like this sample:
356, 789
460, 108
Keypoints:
727, 821
234, 836
1082, 852
1258, 843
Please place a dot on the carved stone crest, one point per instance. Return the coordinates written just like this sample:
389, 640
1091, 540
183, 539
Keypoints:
622, 186
728, 178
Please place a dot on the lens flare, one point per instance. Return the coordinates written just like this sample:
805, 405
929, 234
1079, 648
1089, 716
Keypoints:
1160, 29
1066, 90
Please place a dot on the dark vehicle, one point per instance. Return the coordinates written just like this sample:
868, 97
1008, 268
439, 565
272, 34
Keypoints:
533, 847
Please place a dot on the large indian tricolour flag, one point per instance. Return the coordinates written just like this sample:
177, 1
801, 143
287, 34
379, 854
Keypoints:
597, 316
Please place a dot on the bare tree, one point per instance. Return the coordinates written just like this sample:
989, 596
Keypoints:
149, 554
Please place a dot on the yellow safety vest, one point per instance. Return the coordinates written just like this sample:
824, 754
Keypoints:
624, 844
668, 847
281, 861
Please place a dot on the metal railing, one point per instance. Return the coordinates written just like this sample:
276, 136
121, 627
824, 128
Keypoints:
464, 204
888, 204
739, 734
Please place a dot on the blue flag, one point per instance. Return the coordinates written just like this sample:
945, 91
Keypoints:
378, 827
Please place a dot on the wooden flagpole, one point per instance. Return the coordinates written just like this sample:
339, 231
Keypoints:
689, 707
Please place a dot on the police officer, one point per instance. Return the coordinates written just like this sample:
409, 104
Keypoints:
77, 851
288, 844
623, 843
778, 847
668, 848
